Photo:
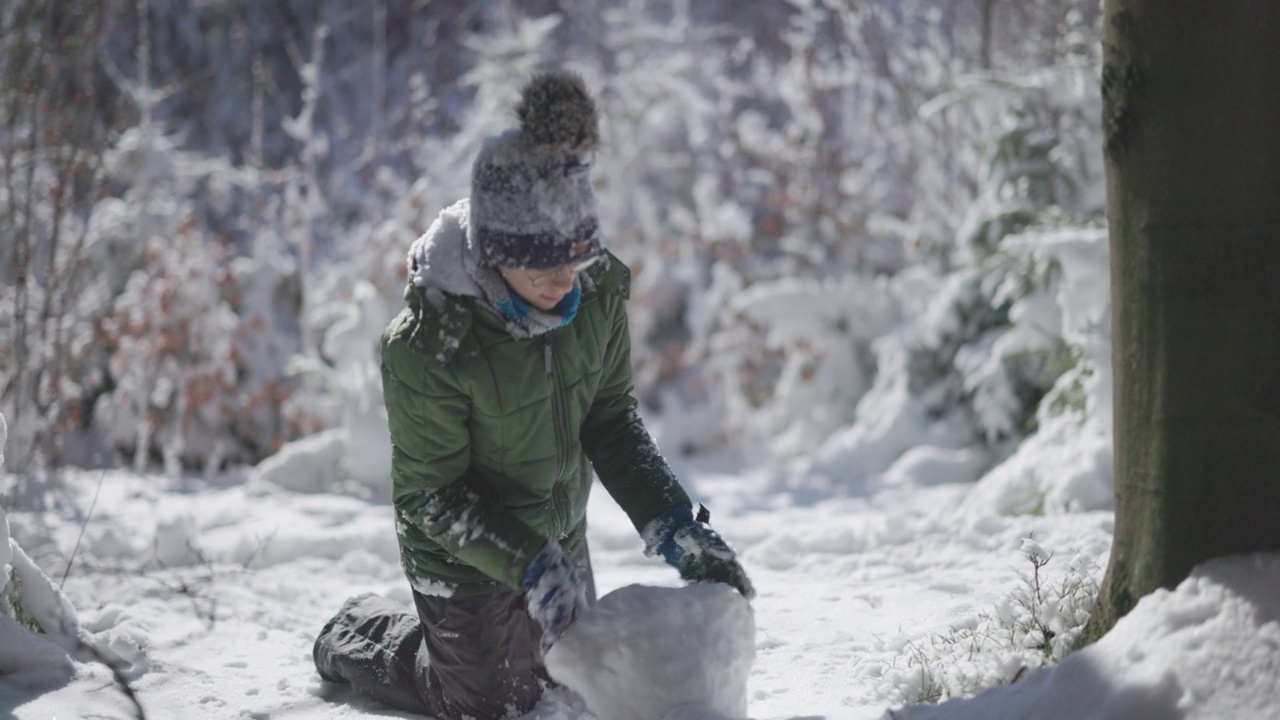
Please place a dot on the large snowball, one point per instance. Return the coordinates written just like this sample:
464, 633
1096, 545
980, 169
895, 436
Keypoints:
655, 653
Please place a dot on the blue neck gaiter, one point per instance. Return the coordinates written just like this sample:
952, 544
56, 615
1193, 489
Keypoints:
520, 313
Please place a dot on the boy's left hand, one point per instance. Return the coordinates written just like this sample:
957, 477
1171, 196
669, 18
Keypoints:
707, 558
697, 551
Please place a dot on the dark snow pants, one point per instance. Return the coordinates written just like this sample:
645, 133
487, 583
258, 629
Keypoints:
475, 657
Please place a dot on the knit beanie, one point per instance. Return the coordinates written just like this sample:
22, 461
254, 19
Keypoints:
532, 205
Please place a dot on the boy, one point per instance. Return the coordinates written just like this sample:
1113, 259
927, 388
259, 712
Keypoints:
507, 380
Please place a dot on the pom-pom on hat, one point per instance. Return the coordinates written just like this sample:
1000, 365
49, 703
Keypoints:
532, 205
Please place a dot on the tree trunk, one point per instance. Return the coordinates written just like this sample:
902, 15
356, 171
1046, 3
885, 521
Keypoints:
1191, 110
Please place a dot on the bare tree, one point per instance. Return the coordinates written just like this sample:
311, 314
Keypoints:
1191, 104
51, 145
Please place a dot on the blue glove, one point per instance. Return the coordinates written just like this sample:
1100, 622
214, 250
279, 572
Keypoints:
693, 548
553, 592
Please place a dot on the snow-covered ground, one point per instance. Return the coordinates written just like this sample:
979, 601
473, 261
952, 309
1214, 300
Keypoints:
867, 603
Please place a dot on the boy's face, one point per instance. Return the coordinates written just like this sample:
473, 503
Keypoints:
544, 289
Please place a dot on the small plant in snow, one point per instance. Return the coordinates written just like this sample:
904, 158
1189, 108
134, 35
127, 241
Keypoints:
1035, 625
1048, 617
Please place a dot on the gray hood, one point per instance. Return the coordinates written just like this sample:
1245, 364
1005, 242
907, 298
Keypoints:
436, 259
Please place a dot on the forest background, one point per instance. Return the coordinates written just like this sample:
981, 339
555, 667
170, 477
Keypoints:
862, 234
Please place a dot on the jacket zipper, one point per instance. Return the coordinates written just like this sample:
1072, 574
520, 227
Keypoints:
560, 423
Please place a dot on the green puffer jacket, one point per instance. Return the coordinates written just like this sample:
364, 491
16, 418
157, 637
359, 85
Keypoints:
494, 438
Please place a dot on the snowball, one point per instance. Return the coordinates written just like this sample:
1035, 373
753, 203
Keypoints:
649, 653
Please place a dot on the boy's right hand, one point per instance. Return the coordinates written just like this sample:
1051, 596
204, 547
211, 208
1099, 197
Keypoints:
554, 593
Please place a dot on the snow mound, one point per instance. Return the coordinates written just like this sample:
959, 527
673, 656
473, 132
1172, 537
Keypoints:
1203, 651
316, 463
658, 653
28, 659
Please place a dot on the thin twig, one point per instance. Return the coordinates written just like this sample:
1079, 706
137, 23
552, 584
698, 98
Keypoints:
71, 560
117, 674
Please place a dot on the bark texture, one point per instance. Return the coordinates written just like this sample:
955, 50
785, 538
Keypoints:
1191, 97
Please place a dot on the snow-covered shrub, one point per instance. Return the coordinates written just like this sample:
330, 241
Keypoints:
1066, 465
1041, 163
197, 335
1034, 625
998, 337
991, 342
171, 356
789, 359
981, 366
968, 369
